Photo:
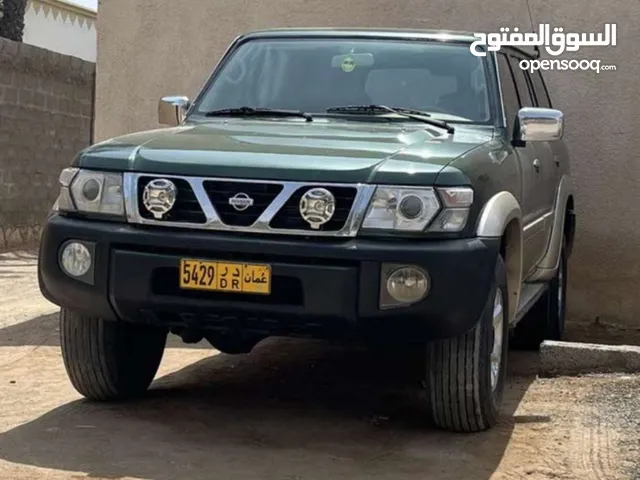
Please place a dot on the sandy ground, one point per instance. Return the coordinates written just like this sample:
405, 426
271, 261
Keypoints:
290, 410
20, 297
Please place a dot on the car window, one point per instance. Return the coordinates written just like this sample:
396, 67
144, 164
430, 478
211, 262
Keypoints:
509, 92
450, 93
524, 92
312, 75
540, 90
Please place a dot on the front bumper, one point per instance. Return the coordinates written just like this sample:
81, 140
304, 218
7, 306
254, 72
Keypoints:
320, 288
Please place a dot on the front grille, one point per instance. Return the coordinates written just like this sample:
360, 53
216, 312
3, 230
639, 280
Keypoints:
229, 205
220, 192
185, 210
288, 217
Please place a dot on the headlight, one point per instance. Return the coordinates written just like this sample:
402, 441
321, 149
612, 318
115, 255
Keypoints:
398, 208
416, 209
89, 191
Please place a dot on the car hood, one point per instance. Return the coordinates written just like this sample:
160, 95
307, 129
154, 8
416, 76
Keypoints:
322, 150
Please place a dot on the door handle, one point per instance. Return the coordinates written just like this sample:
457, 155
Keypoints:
536, 164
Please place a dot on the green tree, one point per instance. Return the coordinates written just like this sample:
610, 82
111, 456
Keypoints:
12, 19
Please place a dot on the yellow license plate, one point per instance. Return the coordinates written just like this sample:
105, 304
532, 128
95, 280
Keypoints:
225, 276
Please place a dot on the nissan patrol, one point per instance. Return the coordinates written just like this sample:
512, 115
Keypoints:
381, 185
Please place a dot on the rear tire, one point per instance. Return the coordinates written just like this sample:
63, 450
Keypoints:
546, 319
109, 360
465, 375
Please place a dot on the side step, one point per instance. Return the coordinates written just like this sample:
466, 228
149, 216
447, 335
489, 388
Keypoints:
529, 295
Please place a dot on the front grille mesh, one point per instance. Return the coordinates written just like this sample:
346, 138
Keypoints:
221, 191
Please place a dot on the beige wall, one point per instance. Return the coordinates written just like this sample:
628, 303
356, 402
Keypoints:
45, 119
150, 48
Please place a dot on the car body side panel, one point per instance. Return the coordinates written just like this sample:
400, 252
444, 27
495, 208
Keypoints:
549, 263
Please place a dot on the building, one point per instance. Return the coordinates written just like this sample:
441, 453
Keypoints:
62, 27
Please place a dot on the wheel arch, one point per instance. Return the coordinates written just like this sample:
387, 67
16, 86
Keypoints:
501, 217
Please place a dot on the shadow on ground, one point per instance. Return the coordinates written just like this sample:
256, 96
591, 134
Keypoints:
30, 255
26, 251
44, 331
289, 410
13, 264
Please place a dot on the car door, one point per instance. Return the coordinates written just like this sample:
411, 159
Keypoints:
538, 230
554, 150
525, 154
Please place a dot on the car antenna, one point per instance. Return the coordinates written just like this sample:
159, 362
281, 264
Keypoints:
536, 48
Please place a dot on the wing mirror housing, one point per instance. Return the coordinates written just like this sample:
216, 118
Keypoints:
172, 110
539, 125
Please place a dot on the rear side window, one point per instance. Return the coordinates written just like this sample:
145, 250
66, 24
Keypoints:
524, 92
542, 95
509, 92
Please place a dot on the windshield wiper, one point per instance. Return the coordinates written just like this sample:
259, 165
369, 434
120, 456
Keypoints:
406, 112
251, 111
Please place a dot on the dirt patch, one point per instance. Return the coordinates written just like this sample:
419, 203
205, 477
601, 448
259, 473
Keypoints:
301, 410
616, 407
20, 297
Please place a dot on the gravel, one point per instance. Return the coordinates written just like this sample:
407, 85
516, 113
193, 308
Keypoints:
616, 404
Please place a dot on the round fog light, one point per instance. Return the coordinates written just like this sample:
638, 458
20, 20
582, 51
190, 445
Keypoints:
75, 259
408, 285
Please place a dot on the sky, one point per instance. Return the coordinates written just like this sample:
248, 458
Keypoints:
92, 4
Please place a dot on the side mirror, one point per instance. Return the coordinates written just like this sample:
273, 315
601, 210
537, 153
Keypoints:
539, 125
171, 110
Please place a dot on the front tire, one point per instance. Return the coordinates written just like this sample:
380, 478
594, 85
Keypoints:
109, 360
465, 374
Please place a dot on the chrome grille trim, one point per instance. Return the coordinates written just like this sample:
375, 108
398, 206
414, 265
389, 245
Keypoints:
213, 222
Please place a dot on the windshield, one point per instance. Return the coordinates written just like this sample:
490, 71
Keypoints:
313, 75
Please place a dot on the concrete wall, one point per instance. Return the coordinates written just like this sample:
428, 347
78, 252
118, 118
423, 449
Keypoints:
45, 119
61, 27
160, 47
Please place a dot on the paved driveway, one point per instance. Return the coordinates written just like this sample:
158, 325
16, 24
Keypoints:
289, 410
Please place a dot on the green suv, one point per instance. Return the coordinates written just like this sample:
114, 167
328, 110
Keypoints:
383, 186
